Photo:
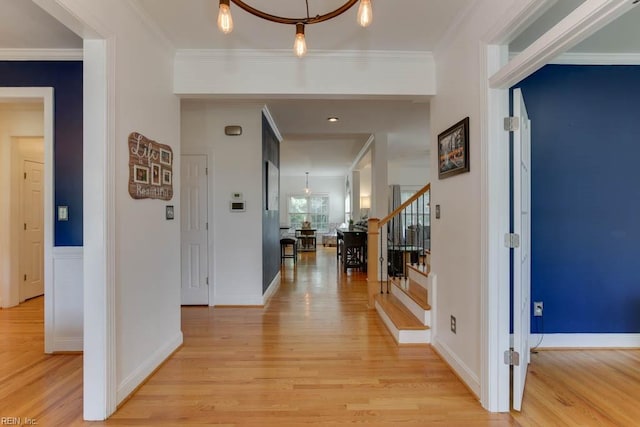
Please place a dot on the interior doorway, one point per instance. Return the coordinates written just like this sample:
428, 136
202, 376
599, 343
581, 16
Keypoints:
26, 146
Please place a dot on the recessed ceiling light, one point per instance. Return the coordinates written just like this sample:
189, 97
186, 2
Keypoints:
333, 119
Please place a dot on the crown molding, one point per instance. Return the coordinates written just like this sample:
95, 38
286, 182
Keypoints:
41, 54
575, 58
152, 25
274, 55
592, 58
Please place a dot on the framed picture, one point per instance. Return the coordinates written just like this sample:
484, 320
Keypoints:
155, 174
166, 177
140, 174
165, 157
453, 150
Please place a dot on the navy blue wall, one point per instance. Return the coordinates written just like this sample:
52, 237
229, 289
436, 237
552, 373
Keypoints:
66, 79
585, 197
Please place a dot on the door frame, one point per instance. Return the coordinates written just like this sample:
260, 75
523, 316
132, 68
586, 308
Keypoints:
209, 221
498, 74
44, 94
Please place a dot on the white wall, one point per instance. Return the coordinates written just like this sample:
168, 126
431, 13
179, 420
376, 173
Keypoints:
147, 245
331, 185
15, 120
408, 175
235, 165
133, 252
456, 237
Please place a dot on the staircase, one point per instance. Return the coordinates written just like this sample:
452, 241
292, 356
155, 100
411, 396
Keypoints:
403, 297
406, 310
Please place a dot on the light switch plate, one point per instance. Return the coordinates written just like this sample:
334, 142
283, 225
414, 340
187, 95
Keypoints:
63, 213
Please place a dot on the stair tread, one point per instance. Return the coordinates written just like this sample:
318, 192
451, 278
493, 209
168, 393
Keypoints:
416, 292
423, 269
401, 317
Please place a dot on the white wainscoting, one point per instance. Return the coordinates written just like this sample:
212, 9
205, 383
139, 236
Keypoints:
67, 299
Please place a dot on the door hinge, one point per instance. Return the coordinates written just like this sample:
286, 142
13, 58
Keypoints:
206, 226
207, 281
25, 277
25, 175
512, 240
511, 358
25, 225
511, 124
206, 171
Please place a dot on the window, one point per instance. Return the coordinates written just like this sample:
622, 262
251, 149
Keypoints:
313, 208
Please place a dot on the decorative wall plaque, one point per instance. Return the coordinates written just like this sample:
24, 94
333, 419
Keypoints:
150, 168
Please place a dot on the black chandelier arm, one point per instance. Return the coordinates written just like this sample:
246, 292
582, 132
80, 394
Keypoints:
292, 21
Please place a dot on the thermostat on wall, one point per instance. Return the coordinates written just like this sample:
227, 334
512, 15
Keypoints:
237, 206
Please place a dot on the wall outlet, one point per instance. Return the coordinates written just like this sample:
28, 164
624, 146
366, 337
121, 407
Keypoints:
537, 308
453, 324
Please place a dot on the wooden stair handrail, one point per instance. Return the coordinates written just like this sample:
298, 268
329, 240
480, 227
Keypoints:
400, 208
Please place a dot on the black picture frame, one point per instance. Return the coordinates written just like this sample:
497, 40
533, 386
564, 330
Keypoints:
453, 150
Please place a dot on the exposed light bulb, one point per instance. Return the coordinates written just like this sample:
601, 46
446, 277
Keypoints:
225, 22
300, 44
365, 13
306, 187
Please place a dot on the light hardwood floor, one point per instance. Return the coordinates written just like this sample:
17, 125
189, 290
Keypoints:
313, 355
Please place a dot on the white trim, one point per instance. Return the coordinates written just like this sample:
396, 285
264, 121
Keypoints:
586, 340
578, 58
147, 368
151, 24
273, 55
272, 289
586, 19
100, 387
466, 373
239, 300
361, 154
41, 54
272, 123
453, 28
65, 344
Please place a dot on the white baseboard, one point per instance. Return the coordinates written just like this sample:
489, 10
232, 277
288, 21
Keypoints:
129, 384
273, 287
62, 344
586, 340
463, 371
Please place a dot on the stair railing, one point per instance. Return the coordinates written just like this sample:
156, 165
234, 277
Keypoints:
401, 237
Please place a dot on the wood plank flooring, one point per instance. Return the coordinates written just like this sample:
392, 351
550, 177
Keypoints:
313, 355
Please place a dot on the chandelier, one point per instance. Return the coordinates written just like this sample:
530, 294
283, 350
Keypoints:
225, 22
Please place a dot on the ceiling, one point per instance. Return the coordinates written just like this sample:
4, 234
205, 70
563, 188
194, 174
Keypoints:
310, 142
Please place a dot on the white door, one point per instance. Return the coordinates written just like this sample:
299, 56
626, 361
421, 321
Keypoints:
32, 244
521, 254
193, 225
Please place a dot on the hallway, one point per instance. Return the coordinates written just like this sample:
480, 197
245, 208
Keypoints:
314, 355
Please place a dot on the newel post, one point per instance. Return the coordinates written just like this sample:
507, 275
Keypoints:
373, 255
